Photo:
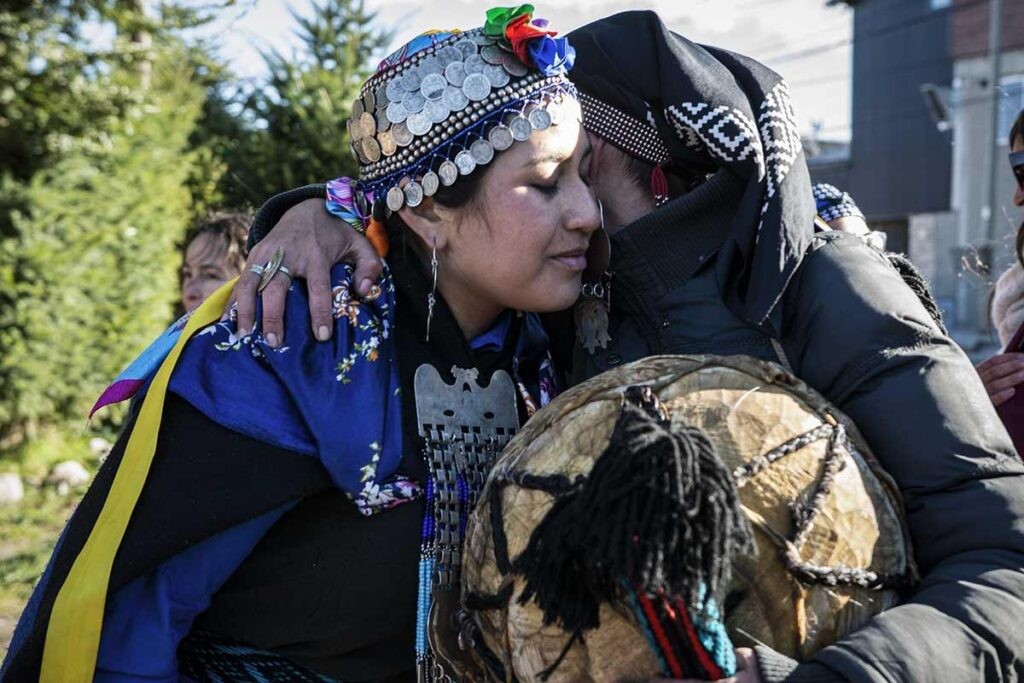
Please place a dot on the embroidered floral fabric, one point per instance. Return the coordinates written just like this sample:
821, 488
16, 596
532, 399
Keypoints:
338, 400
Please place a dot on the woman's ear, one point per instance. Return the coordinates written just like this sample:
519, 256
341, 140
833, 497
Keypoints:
429, 224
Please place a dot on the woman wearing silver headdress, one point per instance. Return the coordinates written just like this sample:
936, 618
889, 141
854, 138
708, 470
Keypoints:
281, 509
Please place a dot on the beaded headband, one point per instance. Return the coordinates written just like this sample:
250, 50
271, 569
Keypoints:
637, 138
445, 104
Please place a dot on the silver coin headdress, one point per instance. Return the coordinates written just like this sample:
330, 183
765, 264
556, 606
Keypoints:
445, 103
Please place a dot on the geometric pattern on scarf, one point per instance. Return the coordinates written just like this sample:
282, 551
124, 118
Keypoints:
714, 109
729, 136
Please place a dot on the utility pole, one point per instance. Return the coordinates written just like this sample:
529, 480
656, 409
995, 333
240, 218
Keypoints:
995, 42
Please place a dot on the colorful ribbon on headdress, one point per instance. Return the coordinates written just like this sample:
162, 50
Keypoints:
530, 39
341, 201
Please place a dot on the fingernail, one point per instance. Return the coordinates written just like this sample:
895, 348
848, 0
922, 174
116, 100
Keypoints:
364, 286
272, 339
322, 333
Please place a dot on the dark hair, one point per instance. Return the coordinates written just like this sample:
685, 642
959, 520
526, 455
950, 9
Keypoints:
233, 229
1017, 129
461, 195
1017, 133
680, 180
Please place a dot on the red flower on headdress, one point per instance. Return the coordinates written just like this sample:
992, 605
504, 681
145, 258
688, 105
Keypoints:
521, 30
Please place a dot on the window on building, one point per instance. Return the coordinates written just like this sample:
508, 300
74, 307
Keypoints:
940, 4
1011, 101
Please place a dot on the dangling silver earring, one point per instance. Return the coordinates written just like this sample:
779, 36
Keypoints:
592, 308
431, 299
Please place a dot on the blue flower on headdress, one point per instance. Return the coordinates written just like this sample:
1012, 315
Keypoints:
552, 56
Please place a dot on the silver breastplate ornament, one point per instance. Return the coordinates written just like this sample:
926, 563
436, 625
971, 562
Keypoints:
464, 426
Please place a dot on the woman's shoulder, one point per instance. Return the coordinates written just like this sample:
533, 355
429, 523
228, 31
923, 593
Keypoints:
275, 393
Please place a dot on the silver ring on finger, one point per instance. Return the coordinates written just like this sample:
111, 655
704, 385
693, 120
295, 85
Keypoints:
270, 269
256, 269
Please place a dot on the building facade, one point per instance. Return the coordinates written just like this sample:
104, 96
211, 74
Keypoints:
921, 143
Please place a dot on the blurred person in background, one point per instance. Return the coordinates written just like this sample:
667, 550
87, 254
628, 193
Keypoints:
1003, 373
215, 251
838, 209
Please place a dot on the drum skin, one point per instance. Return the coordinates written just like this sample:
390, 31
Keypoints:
747, 408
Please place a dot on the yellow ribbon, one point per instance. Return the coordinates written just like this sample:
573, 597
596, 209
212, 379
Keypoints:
76, 622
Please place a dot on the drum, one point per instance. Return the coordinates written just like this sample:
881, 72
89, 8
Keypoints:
694, 489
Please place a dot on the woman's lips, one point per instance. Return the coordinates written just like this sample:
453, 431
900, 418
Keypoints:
575, 260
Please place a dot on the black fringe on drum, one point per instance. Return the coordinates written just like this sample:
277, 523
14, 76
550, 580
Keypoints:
659, 510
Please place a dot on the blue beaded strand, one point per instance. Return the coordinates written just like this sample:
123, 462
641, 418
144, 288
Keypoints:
426, 573
463, 494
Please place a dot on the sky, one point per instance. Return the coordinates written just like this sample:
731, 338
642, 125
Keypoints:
767, 30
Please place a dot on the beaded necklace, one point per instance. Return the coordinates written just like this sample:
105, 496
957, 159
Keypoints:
464, 427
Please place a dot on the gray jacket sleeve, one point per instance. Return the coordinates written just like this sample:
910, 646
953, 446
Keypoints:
856, 333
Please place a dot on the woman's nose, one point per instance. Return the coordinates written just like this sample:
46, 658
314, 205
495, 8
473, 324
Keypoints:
586, 212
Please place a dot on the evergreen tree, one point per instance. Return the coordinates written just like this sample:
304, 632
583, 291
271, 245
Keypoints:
93, 199
297, 121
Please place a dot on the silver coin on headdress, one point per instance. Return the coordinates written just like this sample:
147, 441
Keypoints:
355, 131
436, 110
371, 149
496, 76
476, 87
413, 194
500, 138
369, 101
465, 162
368, 124
540, 119
397, 112
383, 123
357, 108
448, 173
455, 73
520, 128
380, 95
411, 79
418, 123
482, 152
394, 90
481, 39
360, 151
454, 98
431, 65
449, 54
491, 54
430, 183
433, 86
473, 64
413, 101
511, 64
396, 198
388, 146
352, 148
403, 136
466, 46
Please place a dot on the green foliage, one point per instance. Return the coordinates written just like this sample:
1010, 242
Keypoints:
296, 122
93, 202
110, 147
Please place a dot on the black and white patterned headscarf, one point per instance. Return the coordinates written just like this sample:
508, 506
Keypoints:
665, 99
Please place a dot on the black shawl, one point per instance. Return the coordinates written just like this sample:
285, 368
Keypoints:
710, 109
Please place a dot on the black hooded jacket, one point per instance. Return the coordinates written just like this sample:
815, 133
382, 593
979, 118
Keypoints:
855, 332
